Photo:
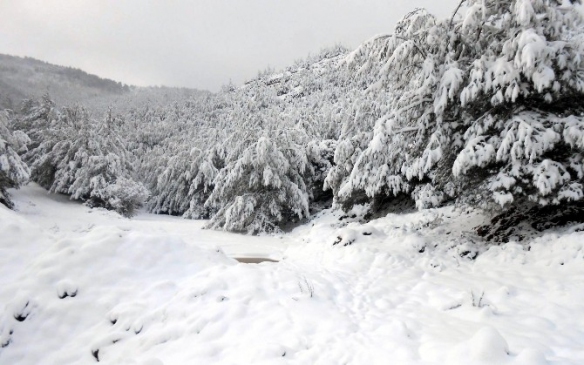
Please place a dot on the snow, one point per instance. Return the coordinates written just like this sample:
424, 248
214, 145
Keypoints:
80, 284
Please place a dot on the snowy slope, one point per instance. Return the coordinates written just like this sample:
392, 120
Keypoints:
61, 216
80, 285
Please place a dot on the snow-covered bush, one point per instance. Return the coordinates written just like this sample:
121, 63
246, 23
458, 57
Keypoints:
86, 159
13, 171
122, 194
484, 104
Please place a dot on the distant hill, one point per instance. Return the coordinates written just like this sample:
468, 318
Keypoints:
25, 77
30, 78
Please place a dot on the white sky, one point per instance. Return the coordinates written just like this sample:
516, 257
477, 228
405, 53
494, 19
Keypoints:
192, 43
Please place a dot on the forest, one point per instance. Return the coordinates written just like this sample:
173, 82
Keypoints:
417, 199
483, 110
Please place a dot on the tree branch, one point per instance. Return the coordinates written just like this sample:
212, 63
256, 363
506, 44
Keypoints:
455, 12
415, 44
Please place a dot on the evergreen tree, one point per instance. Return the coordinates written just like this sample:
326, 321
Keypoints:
483, 104
86, 159
262, 188
13, 171
261, 184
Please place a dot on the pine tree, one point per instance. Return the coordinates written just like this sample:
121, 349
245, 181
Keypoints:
261, 189
262, 183
86, 159
13, 171
480, 105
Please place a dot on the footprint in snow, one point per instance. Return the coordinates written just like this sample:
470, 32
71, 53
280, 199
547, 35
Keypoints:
66, 289
22, 314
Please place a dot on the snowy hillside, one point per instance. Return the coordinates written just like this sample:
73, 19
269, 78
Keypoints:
482, 109
29, 78
418, 200
22, 78
81, 285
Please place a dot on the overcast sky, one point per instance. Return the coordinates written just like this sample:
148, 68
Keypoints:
192, 43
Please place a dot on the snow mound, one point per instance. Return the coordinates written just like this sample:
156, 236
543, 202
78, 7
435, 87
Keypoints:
159, 290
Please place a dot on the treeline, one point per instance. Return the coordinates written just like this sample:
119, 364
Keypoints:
481, 109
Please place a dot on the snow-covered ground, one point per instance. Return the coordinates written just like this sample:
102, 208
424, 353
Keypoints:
79, 285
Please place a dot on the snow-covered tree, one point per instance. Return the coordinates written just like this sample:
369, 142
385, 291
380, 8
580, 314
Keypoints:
86, 159
185, 183
523, 102
35, 117
179, 153
296, 113
487, 102
320, 156
261, 184
356, 134
13, 171
261, 188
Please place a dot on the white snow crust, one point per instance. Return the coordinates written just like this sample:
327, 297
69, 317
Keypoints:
78, 285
